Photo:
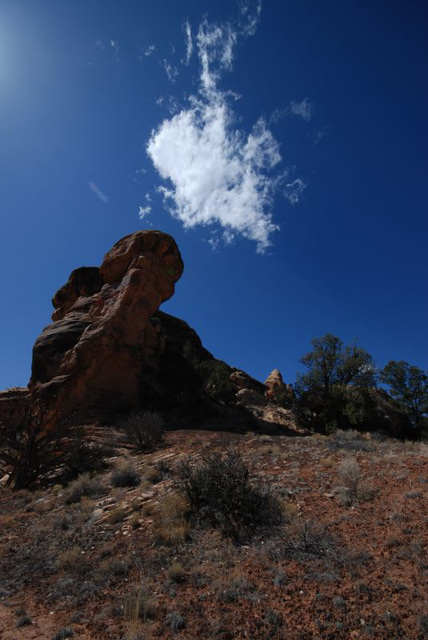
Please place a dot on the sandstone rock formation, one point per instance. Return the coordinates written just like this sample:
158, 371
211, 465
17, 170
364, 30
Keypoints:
277, 390
109, 349
103, 342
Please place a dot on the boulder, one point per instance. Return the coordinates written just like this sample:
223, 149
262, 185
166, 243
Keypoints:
250, 397
242, 380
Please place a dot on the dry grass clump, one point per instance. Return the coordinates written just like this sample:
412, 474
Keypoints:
115, 567
84, 486
139, 605
171, 522
72, 560
352, 487
118, 514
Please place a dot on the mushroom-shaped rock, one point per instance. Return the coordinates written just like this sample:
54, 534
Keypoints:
102, 340
133, 250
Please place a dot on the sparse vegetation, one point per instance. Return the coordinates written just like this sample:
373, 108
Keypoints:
321, 564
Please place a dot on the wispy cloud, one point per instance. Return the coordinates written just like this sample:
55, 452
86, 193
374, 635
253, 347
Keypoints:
294, 189
150, 50
301, 109
215, 172
171, 71
189, 41
95, 188
249, 18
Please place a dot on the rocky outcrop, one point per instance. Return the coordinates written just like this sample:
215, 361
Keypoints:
13, 405
109, 349
103, 342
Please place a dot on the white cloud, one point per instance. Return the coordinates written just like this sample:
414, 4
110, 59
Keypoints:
189, 42
171, 71
95, 188
216, 173
143, 212
150, 49
301, 109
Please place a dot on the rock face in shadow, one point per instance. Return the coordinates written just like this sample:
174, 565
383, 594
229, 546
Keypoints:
104, 345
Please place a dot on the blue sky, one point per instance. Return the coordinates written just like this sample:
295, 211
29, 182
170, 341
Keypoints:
282, 144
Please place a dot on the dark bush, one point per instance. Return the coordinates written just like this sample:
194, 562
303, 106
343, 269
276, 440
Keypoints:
64, 633
144, 429
215, 375
175, 621
125, 476
220, 495
83, 456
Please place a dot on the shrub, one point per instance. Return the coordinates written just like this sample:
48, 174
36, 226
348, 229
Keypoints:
83, 456
308, 539
63, 633
33, 448
125, 476
221, 496
215, 375
84, 485
24, 621
176, 572
175, 621
144, 429
116, 567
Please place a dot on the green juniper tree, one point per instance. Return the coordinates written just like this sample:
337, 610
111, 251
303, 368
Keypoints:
408, 385
334, 391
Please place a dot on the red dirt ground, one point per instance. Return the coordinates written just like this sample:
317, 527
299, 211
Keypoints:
368, 581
